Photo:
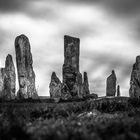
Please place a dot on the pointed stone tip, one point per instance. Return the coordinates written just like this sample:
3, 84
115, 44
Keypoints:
85, 73
138, 59
53, 74
113, 71
70, 37
9, 56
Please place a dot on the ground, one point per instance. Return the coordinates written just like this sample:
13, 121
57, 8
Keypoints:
100, 119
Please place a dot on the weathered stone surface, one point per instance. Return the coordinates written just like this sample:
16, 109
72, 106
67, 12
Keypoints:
2, 77
71, 74
85, 85
134, 90
65, 92
26, 75
118, 91
55, 86
111, 84
9, 79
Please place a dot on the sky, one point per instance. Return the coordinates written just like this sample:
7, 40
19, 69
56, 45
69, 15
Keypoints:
109, 33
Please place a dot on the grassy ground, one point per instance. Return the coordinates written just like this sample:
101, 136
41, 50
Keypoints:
101, 119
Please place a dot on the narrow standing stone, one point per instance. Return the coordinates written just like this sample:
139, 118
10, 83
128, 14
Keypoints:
134, 90
55, 86
118, 91
9, 78
111, 84
85, 85
26, 75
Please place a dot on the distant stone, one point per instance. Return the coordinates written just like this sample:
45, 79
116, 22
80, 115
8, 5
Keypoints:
26, 75
134, 90
71, 74
85, 85
118, 91
111, 84
9, 79
55, 86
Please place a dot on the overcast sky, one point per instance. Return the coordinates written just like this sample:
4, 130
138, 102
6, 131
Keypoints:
109, 32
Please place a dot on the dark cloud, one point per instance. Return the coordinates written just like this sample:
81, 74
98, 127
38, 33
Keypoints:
12, 5
27, 7
121, 7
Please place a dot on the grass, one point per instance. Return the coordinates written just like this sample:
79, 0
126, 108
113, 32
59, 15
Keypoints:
101, 119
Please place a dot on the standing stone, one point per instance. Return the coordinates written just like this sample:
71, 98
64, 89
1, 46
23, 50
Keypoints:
26, 75
111, 84
134, 90
2, 77
55, 86
85, 85
9, 78
118, 91
71, 65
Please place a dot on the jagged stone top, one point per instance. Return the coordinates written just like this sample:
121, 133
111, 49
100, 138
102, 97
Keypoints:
55, 78
85, 76
9, 61
71, 38
113, 72
113, 75
138, 59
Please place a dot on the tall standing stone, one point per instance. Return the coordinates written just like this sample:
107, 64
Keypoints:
85, 85
26, 75
134, 90
111, 84
118, 91
9, 78
71, 65
55, 86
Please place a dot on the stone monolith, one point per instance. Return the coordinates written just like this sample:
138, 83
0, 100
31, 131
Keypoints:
118, 91
9, 78
55, 86
134, 90
71, 65
26, 75
111, 84
85, 85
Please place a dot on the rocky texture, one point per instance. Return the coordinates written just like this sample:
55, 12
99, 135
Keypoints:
2, 77
111, 84
26, 75
85, 85
134, 90
118, 91
71, 76
10, 78
55, 86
